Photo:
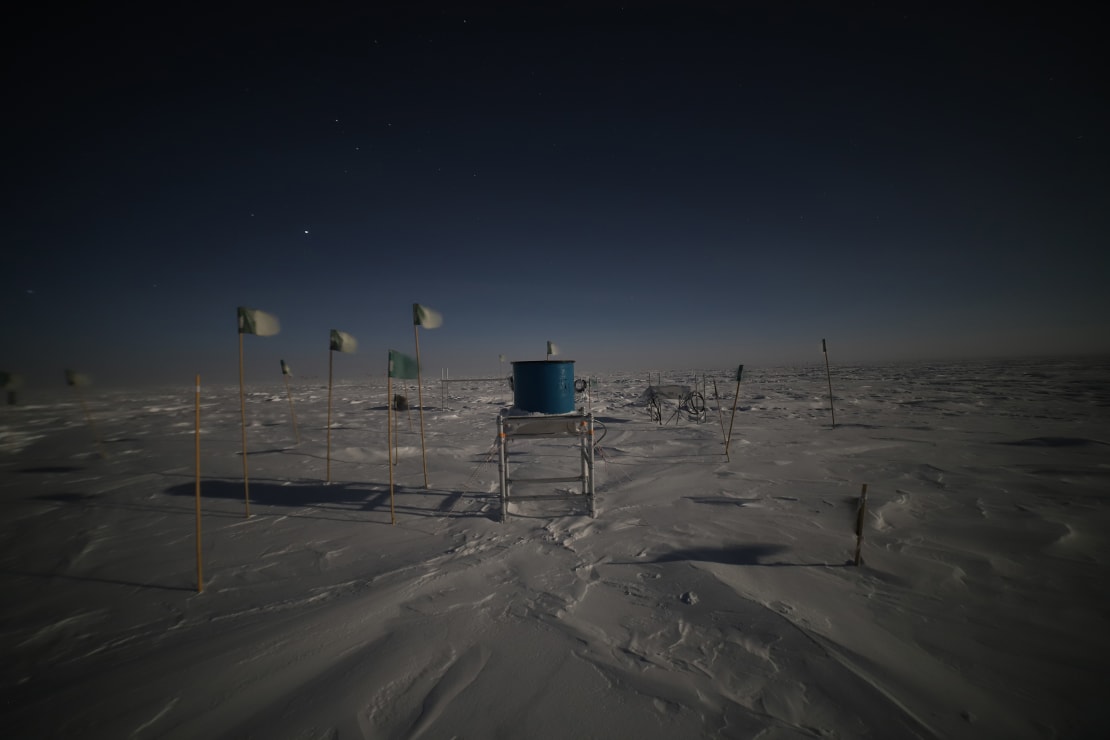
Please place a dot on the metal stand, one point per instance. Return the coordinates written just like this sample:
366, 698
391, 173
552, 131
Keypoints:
540, 427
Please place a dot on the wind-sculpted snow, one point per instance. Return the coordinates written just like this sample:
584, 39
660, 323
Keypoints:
710, 597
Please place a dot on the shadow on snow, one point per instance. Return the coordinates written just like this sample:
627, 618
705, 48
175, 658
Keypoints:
754, 554
347, 497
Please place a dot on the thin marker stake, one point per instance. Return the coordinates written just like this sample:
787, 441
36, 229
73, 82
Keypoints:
861, 514
292, 411
243, 424
420, 400
720, 417
330, 356
200, 569
828, 374
389, 438
736, 398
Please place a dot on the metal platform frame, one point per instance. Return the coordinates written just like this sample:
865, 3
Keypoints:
580, 426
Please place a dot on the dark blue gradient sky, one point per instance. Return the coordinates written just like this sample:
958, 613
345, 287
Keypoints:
650, 188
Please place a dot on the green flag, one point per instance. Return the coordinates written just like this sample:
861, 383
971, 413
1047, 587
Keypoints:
426, 317
341, 341
739, 372
401, 365
551, 348
253, 321
285, 369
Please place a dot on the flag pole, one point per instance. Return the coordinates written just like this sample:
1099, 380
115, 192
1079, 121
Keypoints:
420, 400
395, 450
828, 374
243, 426
331, 355
251, 321
292, 410
408, 406
389, 438
200, 569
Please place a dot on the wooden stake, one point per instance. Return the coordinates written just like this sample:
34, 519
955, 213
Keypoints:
861, 515
828, 374
420, 400
408, 406
292, 410
330, 357
200, 569
396, 451
735, 399
721, 417
243, 424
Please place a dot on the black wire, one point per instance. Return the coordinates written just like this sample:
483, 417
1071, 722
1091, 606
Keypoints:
694, 403
604, 431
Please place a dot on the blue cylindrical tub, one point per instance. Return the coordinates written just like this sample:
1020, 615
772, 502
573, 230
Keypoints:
544, 386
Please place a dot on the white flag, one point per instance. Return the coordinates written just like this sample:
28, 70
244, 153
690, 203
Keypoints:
253, 321
341, 341
426, 317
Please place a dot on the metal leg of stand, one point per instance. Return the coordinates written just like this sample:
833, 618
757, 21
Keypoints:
502, 469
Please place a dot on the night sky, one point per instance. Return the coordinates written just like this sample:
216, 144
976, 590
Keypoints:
650, 188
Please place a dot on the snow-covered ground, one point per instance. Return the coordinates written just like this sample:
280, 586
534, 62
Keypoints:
708, 598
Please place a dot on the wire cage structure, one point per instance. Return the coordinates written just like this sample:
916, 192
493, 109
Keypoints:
579, 427
689, 402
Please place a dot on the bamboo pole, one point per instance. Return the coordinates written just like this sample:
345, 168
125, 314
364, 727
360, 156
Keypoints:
292, 410
331, 356
200, 568
420, 400
395, 453
721, 417
828, 374
389, 440
408, 406
735, 399
861, 515
243, 426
